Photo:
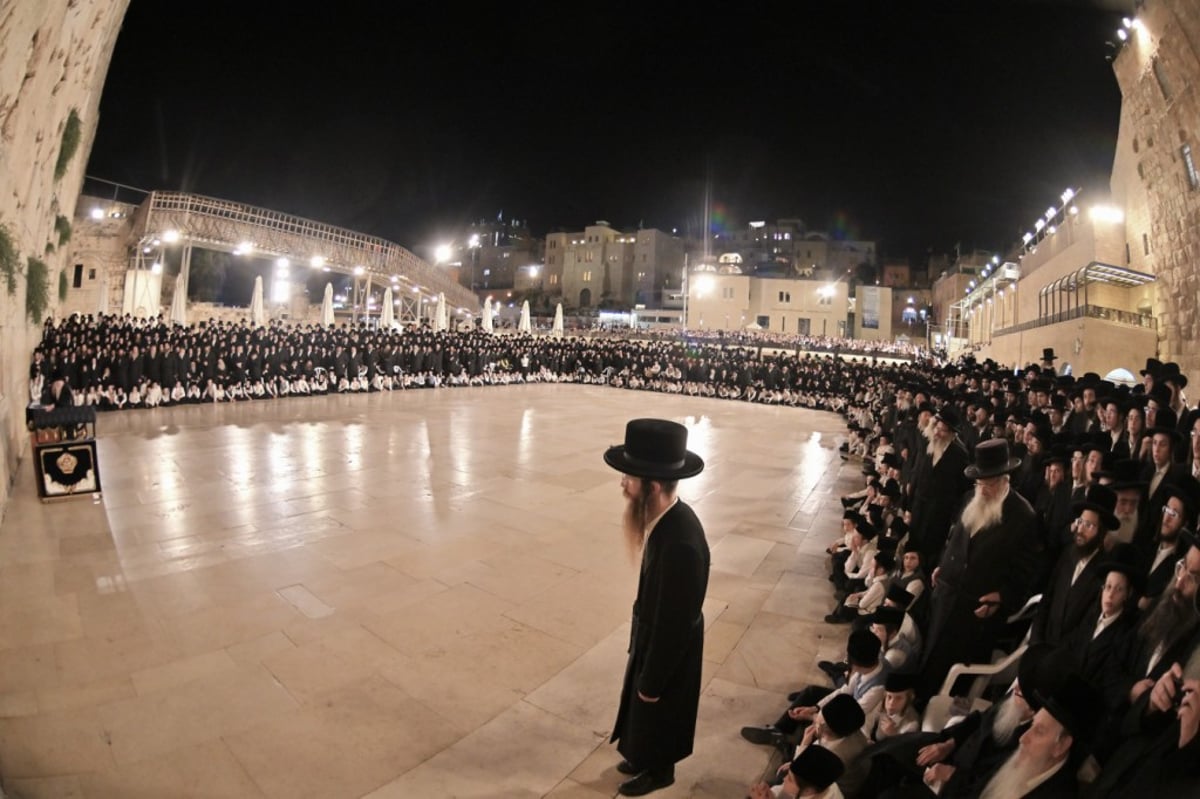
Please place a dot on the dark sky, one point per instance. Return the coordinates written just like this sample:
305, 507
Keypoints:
915, 124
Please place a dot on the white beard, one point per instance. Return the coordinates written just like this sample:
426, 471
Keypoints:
937, 448
981, 514
1011, 780
1125, 532
1008, 718
927, 430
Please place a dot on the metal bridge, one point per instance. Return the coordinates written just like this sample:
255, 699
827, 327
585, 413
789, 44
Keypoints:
169, 218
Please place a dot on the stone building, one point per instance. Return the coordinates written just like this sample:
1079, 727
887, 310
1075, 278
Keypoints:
602, 265
1155, 178
723, 297
788, 249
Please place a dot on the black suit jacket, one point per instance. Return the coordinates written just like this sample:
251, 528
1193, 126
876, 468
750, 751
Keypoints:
1065, 606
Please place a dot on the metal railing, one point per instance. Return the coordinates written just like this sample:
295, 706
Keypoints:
1114, 315
208, 220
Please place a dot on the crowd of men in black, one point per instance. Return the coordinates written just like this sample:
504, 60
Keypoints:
1011, 511
986, 487
115, 362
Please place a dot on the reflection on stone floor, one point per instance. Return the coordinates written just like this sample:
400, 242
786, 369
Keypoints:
416, 594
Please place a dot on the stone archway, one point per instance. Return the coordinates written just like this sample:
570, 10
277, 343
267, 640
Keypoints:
585, 298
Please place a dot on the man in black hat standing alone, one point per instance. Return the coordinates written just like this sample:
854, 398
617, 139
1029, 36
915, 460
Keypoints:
656, 722
986, 571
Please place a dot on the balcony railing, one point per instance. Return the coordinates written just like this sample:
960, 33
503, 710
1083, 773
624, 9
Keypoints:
1113, 315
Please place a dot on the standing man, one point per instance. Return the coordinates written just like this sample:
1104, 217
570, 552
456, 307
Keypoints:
656, 722
987, 569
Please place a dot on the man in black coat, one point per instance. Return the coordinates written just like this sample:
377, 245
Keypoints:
1075, 582
986, 571
938, 485
656, 721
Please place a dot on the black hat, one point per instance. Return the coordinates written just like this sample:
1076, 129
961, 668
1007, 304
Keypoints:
1171, 374
843, 715
948, 415
1123, 474
891, 460
655, 449
888, 616
1153, 367
1057, 454
898, 527
885, 560
817, 767
898, 594
1126, 559
1041, 671
898, 681
851, 515
865, 528
991, 460
1078, 706
1048, 354
1166, 423
887, 545
863, 648
1101, 499
1160, 394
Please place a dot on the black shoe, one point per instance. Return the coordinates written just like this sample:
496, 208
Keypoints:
625, 767
834, 618
836, 671
646, 782
767, 735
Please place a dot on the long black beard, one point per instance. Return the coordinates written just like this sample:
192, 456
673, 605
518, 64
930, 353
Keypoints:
1170, 621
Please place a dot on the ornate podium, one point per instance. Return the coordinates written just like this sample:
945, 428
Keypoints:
64, 452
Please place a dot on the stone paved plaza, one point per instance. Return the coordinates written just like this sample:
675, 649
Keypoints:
418, 594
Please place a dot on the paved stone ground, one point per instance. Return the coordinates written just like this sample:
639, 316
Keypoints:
413, 594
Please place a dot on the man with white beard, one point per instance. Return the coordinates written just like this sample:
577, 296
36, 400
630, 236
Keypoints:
986, 571
938, 484
1044, 765
1122, 478
920, 765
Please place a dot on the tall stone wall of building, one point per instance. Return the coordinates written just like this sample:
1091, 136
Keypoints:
54, 55
1158, 71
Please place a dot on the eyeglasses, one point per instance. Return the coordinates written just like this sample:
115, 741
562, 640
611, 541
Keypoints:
1170, 512
1181, 571
1091, 525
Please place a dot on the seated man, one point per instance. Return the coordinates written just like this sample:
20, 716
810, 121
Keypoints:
865, 684
1160, 751
838, 727
812, 774
1050, 751
906, 765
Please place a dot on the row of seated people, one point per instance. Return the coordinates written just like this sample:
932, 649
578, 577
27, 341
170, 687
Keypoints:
1128, 669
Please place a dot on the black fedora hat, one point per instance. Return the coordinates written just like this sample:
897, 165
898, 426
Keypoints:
1171, 374
1126, 559
1078, 706
1048, 355
948, 415
992, 459
843, 715
655, 449
1101, 499
1123, 474
1153, 367
1165, 423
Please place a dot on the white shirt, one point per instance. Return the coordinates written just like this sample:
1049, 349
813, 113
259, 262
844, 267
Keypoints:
1103, 623
654, 522
1159, 474
1080, 566
1164, 551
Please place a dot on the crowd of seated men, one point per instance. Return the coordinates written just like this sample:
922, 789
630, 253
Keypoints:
118, 362
1041, 522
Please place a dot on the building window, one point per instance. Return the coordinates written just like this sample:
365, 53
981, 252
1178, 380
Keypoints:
1145, 244
1190, 165
487, 272
92, 273
785, 296
554, 280
1161, 77
727, 293
823, 300
587, 276
1141, 172
78, 281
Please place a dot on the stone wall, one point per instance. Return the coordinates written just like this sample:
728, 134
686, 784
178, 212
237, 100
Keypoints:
1158, 71
54, 55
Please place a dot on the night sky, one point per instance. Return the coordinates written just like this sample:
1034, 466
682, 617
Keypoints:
917, 125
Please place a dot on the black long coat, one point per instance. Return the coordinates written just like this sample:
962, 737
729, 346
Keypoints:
1000, 558
666, 644
937, 490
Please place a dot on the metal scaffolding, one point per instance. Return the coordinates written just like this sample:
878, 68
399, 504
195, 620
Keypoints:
195, 220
